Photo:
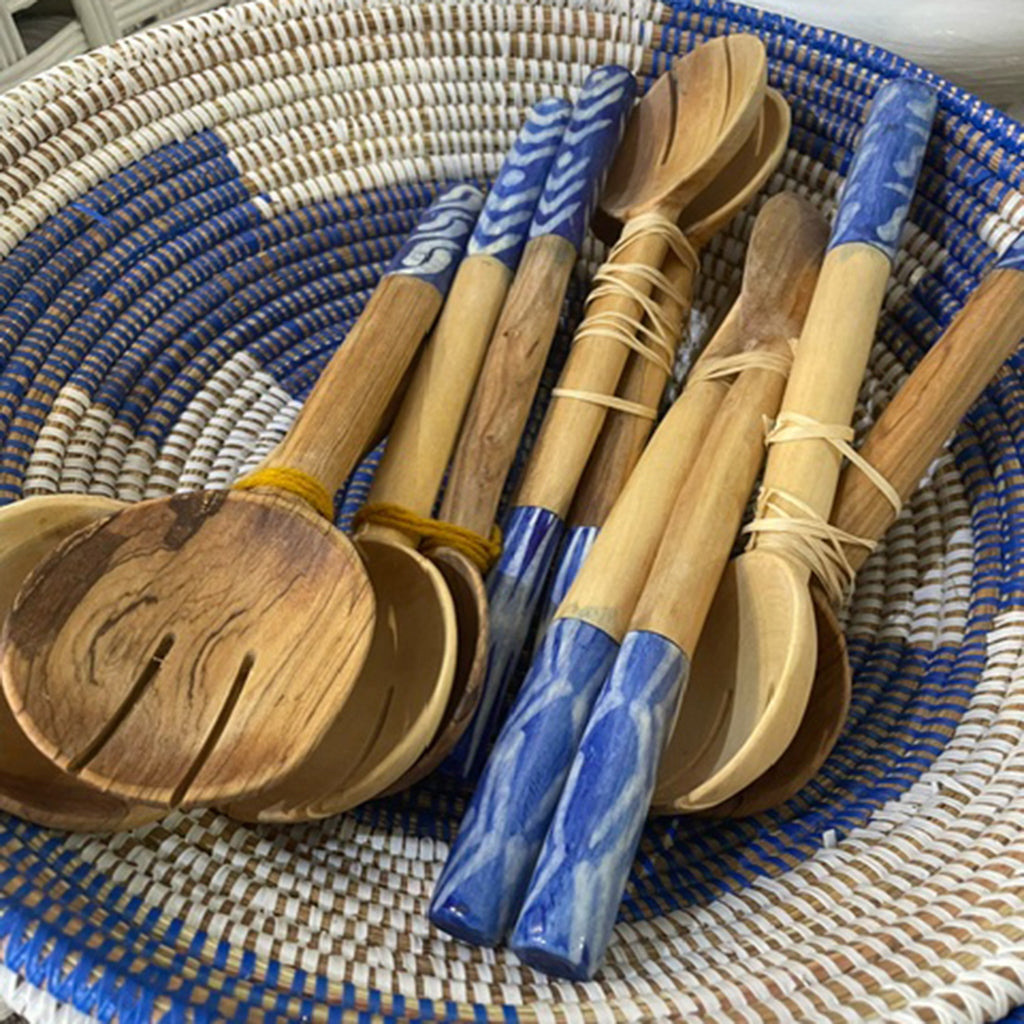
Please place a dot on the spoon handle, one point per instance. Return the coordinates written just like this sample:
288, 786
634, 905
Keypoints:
916, 423
487, 871
522, 338
340, 416
840, 326
581, 871
618, 448
424, 431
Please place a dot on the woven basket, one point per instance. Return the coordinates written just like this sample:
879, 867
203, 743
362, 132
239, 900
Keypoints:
191, 219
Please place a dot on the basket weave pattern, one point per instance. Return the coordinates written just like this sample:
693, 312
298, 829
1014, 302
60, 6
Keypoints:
190, 219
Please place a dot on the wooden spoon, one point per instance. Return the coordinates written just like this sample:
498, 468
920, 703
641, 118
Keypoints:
623, 435
196, 648
686, 129
909, 434
488, 869
32, 786
763, 626
397, 703
582, 867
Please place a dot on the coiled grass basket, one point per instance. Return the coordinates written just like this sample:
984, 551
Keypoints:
189, 221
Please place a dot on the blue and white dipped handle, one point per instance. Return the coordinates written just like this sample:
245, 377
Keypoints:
519, 348
366, 370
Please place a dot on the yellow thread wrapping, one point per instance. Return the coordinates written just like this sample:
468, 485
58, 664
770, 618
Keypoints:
608, 401
434, 533
792, 526
294, 481
725, 367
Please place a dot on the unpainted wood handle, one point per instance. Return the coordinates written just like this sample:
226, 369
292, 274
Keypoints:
595, 362
609, 582
916, 423
623, 435
424, 431
700, 533
352, 395
832, 356
508, 380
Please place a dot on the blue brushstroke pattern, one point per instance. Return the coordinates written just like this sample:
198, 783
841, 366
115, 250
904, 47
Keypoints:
508, 210
489, 867
1013, 258
514, 589
883, 174
434, 248
574, 183
574, 895
571, 557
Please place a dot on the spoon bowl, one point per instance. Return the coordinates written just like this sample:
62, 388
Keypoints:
32, 786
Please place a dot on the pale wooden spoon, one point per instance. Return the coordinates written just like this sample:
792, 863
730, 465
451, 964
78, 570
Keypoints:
764, 624
398, 701
624, 435
32, 786
684, 131
911, 431
196, 648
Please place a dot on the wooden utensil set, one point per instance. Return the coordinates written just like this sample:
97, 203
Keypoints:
235, 649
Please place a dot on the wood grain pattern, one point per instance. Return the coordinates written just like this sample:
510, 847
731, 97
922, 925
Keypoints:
31, 785
508, 380
159, 616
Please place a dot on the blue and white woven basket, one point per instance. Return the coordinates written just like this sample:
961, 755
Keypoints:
189, 221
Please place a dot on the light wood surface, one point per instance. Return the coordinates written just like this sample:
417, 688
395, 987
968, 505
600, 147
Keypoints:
507, 383
919, 419
611, 578
32, 786
339, 418
182, 589
707, 514
686, 129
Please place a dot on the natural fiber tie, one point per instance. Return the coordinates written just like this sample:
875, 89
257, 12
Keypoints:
797, 530
294, 481
433, 533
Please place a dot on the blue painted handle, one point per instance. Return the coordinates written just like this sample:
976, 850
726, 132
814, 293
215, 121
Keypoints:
1013, 258
435, 246
883, 174
487, 871
581, 873
514, 590
573, 553
574, 183
502, 227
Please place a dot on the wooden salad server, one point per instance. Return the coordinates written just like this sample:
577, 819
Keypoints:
518, 351
682, 133
397, 703
643, 382
909, 434
194, 649
478, 893
31, 785
600, 812
765, 606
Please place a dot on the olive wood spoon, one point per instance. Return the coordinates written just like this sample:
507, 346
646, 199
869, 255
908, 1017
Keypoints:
31, 785
196, 648
683, 132
624, 435
909, 434
397, 703
763, 625
487, 871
